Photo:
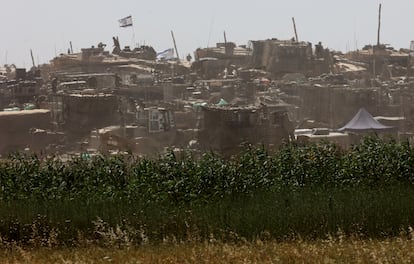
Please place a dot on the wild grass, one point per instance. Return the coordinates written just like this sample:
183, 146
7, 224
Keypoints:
396, 250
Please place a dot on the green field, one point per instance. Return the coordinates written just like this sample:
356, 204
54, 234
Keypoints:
300, 192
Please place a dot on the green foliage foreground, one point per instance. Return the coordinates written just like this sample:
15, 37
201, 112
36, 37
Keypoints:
300, 190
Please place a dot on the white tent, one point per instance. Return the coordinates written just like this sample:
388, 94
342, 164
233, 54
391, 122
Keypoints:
364, 122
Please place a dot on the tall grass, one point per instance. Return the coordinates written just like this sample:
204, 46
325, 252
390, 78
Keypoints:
299, 191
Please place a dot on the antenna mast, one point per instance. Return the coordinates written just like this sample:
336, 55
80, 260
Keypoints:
378, 42
379, 25
31, 55
294, 28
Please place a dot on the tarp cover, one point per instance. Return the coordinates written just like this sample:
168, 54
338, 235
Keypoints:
222, 102
363, 121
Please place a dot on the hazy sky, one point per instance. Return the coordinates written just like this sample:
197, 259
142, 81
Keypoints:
47, 26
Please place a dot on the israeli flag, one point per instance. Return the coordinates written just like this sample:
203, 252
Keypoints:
125, 22
167, 54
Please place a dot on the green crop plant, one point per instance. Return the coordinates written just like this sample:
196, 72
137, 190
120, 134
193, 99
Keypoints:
299, 190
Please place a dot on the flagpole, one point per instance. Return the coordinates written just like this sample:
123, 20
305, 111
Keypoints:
175, 45
133, 34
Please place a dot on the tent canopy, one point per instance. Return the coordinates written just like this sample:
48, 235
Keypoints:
363, 122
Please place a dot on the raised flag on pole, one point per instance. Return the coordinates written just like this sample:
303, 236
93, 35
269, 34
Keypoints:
125, 22
167, 54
